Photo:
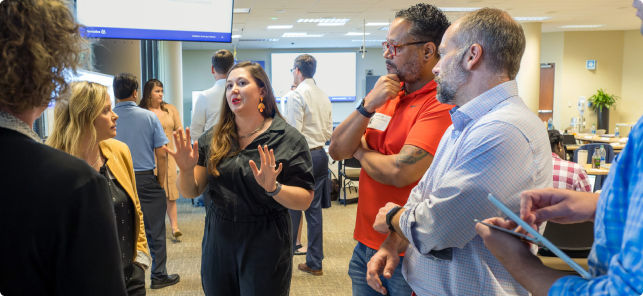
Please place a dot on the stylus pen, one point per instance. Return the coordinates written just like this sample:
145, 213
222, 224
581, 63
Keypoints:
543, 240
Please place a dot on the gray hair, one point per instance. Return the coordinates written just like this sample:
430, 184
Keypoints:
500, 36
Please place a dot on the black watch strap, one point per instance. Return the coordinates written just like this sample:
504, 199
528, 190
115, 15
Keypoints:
389, 216
363, 111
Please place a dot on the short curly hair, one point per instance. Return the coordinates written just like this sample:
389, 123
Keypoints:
428, 23
39, 42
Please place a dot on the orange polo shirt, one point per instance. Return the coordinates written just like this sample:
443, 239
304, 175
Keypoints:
417, 119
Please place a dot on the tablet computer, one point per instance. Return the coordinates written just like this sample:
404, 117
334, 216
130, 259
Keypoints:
537, 237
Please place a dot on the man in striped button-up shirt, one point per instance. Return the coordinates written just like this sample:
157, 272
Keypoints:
496, 145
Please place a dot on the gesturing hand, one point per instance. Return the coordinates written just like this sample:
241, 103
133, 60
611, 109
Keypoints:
267, 176
186, 155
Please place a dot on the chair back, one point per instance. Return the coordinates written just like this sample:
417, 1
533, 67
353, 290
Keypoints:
352, 163
571, 238
569, 140
609, 152
586, 131
600, 132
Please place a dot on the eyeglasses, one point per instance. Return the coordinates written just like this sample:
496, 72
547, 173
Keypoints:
293, 69
393, 48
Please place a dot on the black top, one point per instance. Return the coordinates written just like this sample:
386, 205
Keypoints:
124, 215
237, 192
58, 232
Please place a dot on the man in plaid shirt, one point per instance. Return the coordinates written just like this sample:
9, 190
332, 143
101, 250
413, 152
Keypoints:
567, 174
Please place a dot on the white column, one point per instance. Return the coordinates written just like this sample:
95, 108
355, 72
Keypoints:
171, 73
529, 76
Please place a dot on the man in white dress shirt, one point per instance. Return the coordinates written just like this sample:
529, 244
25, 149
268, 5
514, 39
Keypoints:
208, 104
310, 112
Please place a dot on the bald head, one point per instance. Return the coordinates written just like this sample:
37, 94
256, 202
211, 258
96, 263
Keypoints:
500, 36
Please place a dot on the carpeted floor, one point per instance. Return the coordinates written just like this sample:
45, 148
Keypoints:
184, 257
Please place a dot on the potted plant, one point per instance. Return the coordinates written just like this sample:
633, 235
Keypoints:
601, 103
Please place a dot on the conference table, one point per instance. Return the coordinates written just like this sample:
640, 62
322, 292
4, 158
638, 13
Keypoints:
596, 172
598, 139
617, 148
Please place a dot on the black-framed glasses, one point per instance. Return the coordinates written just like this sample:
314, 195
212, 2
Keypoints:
393, 48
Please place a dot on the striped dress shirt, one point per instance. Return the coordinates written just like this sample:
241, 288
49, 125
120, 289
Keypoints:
616, 259
495, 145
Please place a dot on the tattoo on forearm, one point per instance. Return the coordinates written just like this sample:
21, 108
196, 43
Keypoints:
410, 155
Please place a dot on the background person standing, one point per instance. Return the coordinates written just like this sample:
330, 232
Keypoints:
310, 113
141, 130
170, 121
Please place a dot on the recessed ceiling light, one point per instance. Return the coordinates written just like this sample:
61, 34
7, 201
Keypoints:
383, 29
241, 10
330, 24
323, 20
280, 10
580, 26
236, 36
279, 27
273, 18
367, 40
378, 24
270, 40
356, 34
301, 35
532, 18
458, 9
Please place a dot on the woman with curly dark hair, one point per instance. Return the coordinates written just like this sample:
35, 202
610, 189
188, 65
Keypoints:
59, 235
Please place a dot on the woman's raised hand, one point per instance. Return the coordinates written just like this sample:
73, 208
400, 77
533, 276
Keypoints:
267, 176
186, 154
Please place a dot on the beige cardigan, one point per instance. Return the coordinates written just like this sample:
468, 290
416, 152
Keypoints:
123, 170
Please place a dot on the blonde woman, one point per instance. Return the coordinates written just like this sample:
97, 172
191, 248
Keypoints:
84, 126
171, 121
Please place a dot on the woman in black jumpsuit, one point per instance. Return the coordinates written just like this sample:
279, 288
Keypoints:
263, 168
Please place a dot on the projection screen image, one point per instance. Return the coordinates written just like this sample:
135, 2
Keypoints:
336, 74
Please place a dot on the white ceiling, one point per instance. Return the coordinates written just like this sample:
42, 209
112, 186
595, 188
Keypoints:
614, 14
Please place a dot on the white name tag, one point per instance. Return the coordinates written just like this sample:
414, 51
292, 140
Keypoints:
605, 139
379, 121
588, 137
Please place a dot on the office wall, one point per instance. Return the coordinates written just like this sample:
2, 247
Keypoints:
573, 80
551, 51
197, 75
630, 107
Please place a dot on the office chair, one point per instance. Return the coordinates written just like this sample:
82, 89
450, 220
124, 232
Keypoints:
575, 240
351, 175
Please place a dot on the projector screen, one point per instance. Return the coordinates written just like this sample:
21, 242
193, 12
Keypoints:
181, 20
335, 75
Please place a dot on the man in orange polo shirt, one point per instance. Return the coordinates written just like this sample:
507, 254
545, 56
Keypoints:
394, 133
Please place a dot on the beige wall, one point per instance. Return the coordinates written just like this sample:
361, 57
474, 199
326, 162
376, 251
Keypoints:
573, 80
630, 107
552, 45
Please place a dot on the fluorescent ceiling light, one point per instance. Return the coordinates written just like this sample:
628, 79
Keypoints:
236, 36
330, 24
580, 26
458, 9
367, 40
532, 18
301, 35
241, 10
377, 24
270, 40
383, 29
356, 34
323, 20
279, 27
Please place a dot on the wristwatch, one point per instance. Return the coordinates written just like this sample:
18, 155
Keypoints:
363, 111
389, 216
276, 190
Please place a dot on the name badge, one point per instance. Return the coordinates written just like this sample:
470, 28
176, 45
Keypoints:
379, 121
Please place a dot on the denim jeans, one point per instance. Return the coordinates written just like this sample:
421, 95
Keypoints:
396, 286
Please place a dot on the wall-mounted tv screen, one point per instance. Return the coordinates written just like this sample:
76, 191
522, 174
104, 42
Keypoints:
179, 20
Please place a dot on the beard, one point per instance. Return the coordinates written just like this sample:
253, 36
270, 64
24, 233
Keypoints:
409, 72
452, 77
